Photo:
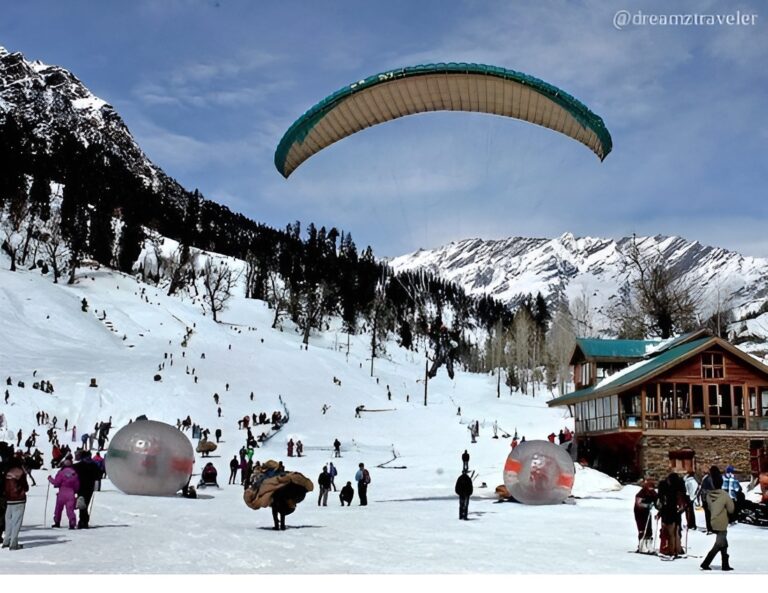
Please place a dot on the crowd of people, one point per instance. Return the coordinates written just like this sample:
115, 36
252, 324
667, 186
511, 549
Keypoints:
675, 498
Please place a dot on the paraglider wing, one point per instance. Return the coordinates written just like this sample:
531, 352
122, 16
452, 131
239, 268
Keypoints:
438, 87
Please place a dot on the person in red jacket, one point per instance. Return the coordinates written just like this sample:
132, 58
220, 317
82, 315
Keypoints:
68, 484
15, 489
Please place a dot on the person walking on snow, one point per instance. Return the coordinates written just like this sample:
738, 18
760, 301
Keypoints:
67, 482
88, 473
15, 488
720, 504
363, 479
336, 448
290, 448
299, 448
464, 490
465, 461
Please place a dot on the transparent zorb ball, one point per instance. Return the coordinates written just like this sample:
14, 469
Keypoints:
539, 472
149, 458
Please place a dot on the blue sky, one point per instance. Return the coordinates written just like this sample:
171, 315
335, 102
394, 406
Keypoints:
209, 87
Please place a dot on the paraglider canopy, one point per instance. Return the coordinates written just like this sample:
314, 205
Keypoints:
439, 87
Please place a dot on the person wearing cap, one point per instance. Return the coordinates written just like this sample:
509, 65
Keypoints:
67, 482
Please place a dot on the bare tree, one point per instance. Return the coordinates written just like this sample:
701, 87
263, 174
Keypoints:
278, 296
13, 223
179, 268
522, 330
218, 283
560, 343
54, 245
667, 300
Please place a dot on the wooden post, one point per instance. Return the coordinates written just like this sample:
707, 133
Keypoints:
643, 397
426, 374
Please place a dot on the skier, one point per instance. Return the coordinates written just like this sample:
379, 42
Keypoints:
720, 504
299, 448
363, 479
464, 490
465, 460
671, 504
644, 501
67, 482
233, 465
336, 448
218, 434
324, 481
347, 494
290, 448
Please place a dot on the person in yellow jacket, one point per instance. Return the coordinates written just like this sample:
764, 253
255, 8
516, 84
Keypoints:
720, 504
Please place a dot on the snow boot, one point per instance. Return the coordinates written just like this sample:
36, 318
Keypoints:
726, 565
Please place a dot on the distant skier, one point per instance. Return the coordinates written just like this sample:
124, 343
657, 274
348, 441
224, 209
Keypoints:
336, 448
347, 494
218, 434
465, 460
464, 490
299, 448
233, 466
290, 448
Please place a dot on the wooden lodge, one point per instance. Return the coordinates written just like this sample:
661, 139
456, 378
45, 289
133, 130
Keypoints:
645, 408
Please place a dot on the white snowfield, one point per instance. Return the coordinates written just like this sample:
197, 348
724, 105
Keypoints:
410, 526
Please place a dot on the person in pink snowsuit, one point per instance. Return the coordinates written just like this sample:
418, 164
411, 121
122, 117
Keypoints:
67, 482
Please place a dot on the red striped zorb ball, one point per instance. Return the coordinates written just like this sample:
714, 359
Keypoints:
150, 458
539, 472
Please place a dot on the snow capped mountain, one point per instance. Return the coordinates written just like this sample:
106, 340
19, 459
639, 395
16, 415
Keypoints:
591, 268
50, 101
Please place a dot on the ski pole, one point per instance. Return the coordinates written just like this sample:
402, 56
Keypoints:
645, 530
45, 510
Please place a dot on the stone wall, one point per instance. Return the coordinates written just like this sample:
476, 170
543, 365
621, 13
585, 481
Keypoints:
720, 450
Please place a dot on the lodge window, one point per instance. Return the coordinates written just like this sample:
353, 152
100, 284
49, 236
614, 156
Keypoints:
712, 365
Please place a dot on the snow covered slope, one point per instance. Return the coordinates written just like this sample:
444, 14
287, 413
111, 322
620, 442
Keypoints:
411, 524
587, 267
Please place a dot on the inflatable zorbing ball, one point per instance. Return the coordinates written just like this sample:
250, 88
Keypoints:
150, 458
539, 472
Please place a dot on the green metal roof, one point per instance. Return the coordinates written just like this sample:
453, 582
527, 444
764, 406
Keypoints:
596, 348
302, 126
636, 372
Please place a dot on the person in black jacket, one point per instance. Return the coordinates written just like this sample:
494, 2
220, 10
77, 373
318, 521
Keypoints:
88, 474
233, 465
347, 494
465, 460
324, 481
706, 486
464, 490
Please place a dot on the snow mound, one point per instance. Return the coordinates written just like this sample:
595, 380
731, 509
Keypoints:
588, 482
